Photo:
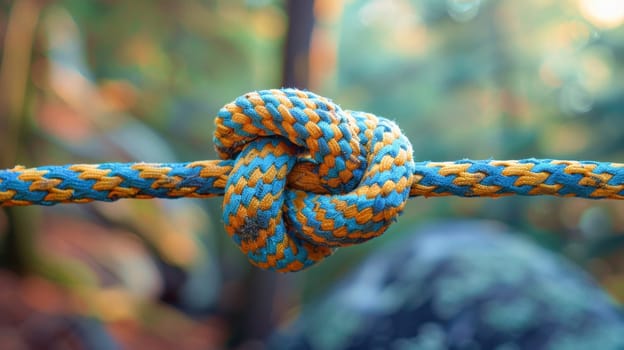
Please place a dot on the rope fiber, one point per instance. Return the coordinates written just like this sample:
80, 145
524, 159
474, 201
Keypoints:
300, 177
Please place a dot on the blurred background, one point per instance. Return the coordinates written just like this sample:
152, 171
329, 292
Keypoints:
109, 80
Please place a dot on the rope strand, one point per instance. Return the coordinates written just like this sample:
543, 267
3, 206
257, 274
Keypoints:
300, 177
108, 182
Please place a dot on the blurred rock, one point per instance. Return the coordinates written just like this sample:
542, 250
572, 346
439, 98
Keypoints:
461, 285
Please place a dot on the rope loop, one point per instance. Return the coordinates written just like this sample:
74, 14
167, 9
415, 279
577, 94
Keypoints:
363, 161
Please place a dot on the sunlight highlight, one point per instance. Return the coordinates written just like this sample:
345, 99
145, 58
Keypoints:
603, 13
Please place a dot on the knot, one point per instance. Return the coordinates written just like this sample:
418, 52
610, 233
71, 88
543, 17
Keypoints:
362, 162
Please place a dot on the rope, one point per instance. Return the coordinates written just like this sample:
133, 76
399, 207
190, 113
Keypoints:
300, 177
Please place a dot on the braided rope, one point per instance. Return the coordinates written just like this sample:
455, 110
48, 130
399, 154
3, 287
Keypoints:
300, 176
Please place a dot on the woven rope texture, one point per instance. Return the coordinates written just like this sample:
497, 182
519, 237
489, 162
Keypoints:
300, 176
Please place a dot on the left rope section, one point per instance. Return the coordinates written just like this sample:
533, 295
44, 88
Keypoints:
107, 182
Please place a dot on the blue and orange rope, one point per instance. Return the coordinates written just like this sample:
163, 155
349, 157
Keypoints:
300, 176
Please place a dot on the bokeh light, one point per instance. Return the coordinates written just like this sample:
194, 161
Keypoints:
463, 10
603, 13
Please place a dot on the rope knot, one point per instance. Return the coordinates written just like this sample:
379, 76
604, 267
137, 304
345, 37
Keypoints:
363, 164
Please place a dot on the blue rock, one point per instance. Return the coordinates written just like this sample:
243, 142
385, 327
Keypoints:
461, 285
